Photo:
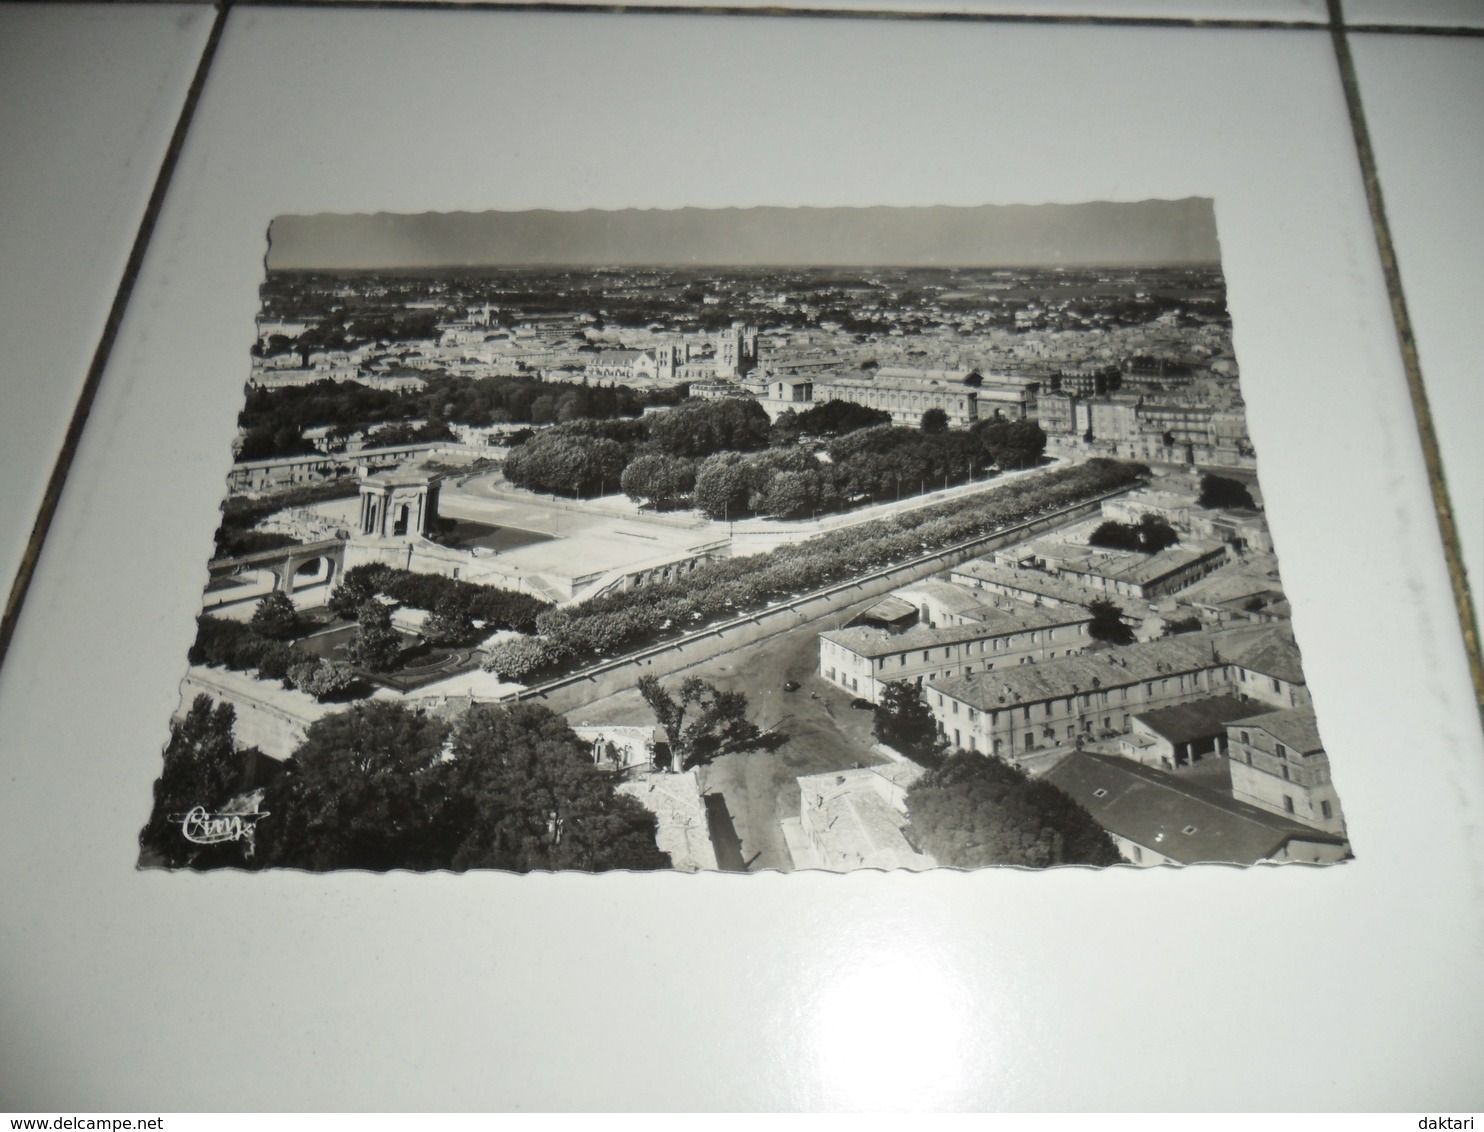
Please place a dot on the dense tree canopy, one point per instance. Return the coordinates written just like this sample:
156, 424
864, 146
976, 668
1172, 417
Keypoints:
975, 810
658, 479
565, 464
826, 418
201, 768
1107, 624
273, 420
275, 616
904, 722
1222, 491
1011, 444
1149, 535
360, 793
935, 420
525, 795
507, 787
701, 428
376, 646
450, 624
235, 645
723, 486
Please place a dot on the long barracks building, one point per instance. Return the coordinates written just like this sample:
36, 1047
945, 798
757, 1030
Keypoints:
863, 660
1017, 711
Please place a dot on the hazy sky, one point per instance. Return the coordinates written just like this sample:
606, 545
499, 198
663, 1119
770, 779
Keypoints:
1101, 233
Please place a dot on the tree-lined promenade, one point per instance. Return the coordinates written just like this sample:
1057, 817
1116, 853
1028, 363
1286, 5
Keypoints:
571, 638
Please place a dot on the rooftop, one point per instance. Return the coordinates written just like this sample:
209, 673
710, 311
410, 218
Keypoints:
999, 688
1027, 581
1135, 567
867, 640
619, 357
1294, 727
961, 601
1271, 653
856, 826
1200, 719
883, 380
1155, 809
890, 609
408, 475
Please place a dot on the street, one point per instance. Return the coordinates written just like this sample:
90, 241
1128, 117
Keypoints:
824, 734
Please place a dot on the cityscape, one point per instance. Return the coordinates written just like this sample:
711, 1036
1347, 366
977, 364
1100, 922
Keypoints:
607, 558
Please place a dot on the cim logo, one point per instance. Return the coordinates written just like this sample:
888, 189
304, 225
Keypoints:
202, 828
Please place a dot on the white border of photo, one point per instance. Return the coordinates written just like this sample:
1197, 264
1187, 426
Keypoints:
1209, 987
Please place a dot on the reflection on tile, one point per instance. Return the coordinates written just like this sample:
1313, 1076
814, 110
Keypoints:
88, 99
1421, 96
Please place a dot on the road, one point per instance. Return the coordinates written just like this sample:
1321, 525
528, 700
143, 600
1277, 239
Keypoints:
824, 734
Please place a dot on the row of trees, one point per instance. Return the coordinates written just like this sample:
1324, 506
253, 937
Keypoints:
827, 418
382, 786
617, 622
876, 463
274, 420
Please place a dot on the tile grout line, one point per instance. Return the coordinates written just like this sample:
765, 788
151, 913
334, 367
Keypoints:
617, 7
83, 407
1432, 456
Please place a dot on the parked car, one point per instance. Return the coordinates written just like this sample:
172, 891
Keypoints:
791, 685
862, 703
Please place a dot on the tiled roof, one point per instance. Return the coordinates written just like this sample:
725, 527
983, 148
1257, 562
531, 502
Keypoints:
1294, 727
1154, 809
1199, 719
1272, 654
956, 599
866, 640
1028, 581
1111, 668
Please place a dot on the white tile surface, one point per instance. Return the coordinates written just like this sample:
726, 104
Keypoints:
89, 96
1424, 105
1281, 11
1416, 13
1353, 987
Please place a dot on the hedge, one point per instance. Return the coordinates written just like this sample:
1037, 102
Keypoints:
497, 608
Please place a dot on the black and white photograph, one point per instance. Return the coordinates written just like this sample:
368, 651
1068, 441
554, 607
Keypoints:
742, 540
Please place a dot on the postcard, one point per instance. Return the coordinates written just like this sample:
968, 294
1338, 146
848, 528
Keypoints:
744, 539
